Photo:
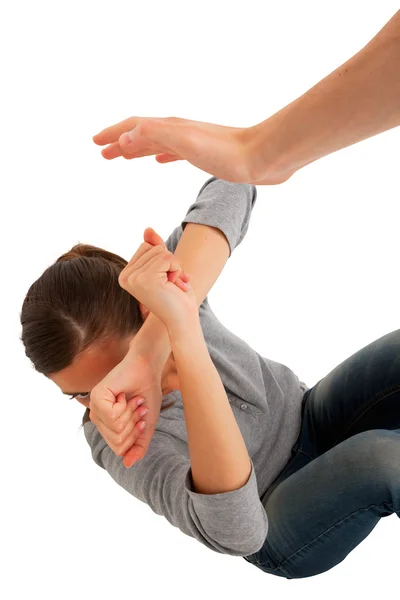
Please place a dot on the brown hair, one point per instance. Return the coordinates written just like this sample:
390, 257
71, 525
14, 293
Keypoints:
76, 301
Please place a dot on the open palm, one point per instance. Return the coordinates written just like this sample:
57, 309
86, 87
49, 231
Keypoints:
225, 152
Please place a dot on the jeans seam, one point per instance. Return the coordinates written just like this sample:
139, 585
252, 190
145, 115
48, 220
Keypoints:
301, 451
282, 564
366, 407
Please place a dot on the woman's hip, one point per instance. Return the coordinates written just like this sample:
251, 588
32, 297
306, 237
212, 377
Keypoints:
360, 394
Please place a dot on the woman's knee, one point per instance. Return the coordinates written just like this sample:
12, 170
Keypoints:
375, 456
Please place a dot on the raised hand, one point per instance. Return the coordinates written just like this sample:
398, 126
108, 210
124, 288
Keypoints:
218, 150
119, 421
114, 414
147, 277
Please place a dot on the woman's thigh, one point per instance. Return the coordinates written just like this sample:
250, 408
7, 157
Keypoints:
320, 513
361, 393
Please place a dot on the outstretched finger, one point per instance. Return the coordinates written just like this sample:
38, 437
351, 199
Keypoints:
163, 136
115, 150
112, 151
167, 158
113, 133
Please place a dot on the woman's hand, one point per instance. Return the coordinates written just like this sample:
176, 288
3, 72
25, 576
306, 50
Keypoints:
117, 418
136, 376
148, 277
119, 429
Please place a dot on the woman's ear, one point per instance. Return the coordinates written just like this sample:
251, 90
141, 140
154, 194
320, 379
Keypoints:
144, 311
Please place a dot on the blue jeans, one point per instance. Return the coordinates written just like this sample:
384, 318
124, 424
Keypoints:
343, 474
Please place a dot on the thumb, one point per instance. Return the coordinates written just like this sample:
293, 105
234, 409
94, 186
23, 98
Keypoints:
165, 134
151, 237
177, 276
120, 405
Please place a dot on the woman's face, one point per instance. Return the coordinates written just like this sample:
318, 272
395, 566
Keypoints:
88, 369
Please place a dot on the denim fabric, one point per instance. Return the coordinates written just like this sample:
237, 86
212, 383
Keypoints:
344, 472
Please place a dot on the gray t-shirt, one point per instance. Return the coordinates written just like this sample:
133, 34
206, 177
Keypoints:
265, 397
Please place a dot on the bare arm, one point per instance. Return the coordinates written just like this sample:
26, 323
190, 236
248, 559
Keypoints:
358, 100
202, 251
218, 454
214, 225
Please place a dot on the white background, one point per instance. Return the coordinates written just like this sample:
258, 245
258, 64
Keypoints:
315, 280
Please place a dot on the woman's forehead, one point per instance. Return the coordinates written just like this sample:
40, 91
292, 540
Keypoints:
88, 368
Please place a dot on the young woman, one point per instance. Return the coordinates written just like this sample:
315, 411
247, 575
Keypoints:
248, 460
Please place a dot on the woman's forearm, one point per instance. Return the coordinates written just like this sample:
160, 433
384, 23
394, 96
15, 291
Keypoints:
356, 101
218, 455
202, 251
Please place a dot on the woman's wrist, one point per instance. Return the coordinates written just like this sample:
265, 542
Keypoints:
185, 328
154, 339
152, 342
